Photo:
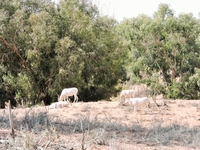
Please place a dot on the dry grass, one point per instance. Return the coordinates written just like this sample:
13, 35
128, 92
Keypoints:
97, 127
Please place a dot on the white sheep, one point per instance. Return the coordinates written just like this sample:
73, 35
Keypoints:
126, 94
66, 92
60, 104
138, 102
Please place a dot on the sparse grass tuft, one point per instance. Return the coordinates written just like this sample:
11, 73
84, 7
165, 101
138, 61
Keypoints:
173, 134
36, 129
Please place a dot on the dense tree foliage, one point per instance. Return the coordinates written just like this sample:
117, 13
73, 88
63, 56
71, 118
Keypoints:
164, 52
46, 47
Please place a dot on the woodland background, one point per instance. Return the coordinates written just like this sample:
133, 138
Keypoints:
45, 47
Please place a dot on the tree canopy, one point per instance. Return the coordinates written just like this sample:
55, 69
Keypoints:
46, 47
165, 52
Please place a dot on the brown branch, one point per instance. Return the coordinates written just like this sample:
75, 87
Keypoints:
13, 48
5, 58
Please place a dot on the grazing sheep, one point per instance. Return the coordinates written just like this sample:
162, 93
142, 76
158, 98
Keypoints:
68, 92
60, 104
138, 102
126, 94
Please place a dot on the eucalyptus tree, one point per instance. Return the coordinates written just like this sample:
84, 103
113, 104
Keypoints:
89, 52
165, 51
46, 47
27, 45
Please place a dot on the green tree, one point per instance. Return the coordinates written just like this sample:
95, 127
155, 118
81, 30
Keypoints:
91, 49
45, 48
165, 50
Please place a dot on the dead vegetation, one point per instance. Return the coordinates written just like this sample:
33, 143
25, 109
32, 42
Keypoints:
103, 125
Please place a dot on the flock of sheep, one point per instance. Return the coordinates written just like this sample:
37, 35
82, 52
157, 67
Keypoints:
126, 96
63, 99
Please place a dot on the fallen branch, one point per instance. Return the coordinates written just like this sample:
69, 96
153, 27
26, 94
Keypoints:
47, 144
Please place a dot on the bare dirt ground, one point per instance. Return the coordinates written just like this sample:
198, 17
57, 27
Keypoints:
104, 125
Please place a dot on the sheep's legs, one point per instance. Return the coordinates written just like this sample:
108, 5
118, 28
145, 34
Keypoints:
147, 108
75, 98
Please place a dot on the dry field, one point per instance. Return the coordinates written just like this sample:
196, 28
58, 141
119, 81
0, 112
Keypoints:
104, 125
